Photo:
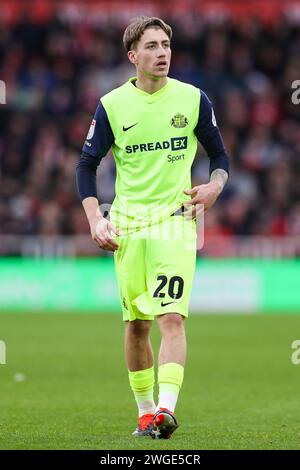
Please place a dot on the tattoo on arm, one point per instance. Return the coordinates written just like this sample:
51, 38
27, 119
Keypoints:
220, 176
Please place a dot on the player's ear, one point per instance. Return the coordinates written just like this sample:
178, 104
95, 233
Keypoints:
132, 57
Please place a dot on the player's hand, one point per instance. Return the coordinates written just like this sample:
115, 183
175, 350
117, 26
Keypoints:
203, 198
100, 231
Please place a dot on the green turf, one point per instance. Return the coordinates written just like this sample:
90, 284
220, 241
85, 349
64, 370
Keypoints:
241, 390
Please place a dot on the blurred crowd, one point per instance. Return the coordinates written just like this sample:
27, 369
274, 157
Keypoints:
55, 74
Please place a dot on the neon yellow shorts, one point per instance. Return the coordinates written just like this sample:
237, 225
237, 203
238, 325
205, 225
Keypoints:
155, 268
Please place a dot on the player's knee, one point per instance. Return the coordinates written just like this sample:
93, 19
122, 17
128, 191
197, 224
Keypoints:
170, 322
139, 327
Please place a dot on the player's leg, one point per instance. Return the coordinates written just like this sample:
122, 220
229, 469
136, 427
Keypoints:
138, 348
173, 339
139, 357
129, 262
171, 361
171, 266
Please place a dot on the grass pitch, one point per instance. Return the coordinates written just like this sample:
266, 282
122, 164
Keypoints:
65, 384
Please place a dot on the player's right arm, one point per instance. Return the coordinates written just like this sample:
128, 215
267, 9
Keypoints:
98, 142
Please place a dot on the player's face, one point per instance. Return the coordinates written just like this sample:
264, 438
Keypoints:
153, 54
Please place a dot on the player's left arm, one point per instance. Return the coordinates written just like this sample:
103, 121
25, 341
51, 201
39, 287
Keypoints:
208, 134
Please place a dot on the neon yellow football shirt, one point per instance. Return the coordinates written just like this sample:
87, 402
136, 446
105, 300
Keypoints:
154, 148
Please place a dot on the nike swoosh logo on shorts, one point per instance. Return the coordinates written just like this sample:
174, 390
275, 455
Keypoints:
126, 128
167, 303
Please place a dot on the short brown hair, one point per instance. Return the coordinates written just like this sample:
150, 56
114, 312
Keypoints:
136, 28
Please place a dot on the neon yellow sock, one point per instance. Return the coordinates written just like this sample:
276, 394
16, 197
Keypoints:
142, 385
170, 378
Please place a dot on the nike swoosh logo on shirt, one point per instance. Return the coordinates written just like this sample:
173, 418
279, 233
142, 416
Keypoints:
126, 128
164, 304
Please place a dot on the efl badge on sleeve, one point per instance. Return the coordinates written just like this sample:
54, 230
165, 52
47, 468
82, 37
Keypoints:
91, 130
213, 118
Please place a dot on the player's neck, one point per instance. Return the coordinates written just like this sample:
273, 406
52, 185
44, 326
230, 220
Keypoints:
149, 85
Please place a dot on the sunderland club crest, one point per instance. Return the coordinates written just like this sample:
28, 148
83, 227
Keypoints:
179, 120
